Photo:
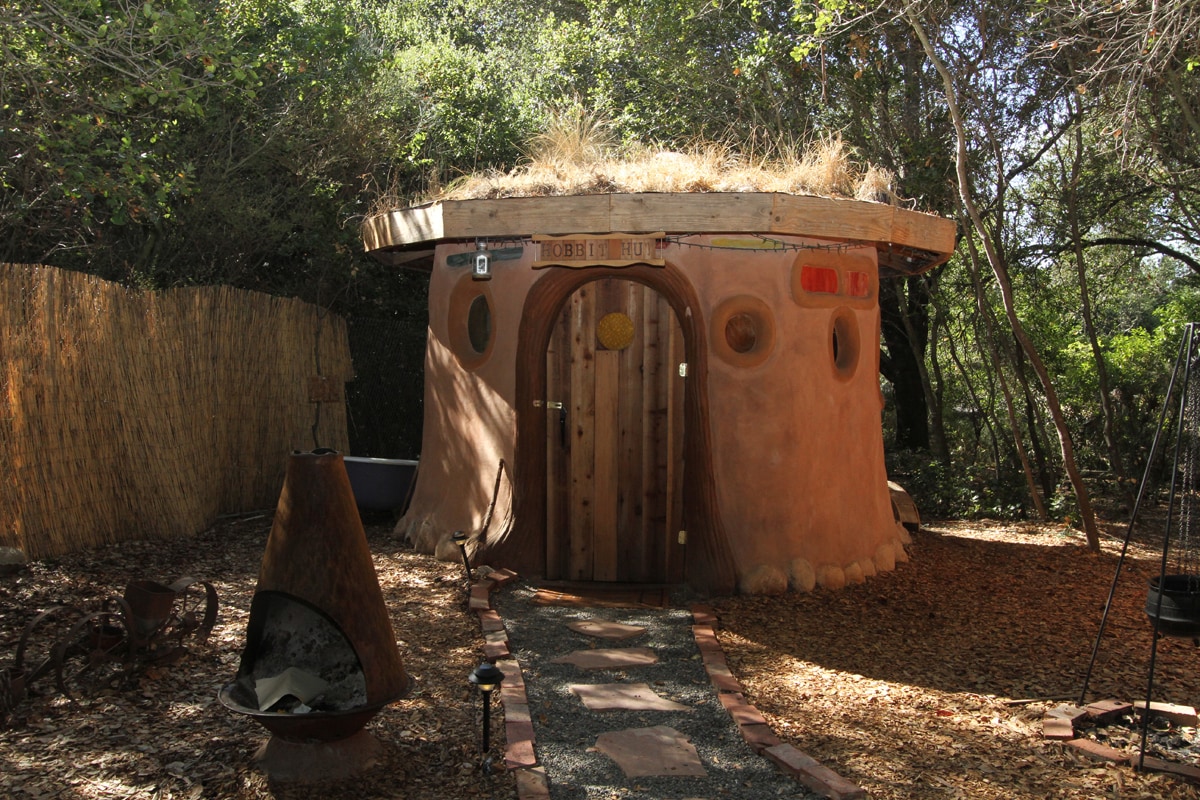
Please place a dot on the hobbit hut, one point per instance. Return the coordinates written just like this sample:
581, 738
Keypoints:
658, 388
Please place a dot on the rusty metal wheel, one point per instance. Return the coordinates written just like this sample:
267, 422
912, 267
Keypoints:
93, 655
195, 611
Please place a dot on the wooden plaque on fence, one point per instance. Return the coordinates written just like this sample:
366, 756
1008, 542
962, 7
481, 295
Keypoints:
322, 389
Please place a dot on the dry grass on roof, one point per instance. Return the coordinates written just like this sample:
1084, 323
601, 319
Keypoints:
578, 155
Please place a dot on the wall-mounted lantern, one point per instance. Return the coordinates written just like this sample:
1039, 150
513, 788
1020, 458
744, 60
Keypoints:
481, 269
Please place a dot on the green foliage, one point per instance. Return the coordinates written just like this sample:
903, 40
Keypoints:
172, 142
942, 492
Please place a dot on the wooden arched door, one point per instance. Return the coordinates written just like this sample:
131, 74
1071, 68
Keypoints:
614, 436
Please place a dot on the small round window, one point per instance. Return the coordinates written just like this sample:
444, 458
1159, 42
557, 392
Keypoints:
479, 324
615, 331
743, 331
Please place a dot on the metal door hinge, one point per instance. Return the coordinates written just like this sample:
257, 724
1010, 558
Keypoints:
683, 369
683, 537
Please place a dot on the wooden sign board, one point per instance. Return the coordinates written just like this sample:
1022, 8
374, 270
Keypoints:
322, 389
598, 250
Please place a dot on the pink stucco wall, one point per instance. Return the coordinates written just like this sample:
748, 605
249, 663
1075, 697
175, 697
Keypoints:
797, 444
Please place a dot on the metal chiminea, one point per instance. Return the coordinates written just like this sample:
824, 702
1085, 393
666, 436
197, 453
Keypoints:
321, 658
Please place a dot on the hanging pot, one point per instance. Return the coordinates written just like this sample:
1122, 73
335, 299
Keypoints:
1175, 604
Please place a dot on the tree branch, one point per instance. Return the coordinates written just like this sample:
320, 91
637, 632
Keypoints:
1124, 241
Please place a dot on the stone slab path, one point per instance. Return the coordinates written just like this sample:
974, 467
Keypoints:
606, 629
666, 719
624, 697
651, 752
609, 658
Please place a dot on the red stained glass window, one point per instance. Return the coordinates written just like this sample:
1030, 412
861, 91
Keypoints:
820, 280
860, 284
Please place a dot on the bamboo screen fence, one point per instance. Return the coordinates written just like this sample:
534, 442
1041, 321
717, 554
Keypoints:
127, 414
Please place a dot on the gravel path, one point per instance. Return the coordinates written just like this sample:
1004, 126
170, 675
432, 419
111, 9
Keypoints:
565, 730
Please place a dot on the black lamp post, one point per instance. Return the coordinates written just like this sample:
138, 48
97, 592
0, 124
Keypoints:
460, 539
487, 677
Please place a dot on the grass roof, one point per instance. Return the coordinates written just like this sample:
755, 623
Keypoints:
577, 155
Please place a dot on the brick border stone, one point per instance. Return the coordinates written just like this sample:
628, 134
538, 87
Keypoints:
520, 747
753, 725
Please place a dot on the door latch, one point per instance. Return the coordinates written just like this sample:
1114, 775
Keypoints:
556, 405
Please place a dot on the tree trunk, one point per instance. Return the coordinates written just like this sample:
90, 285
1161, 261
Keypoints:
900, 368
1000, 270
1039, 504
937, 434
1046, 473
1110, 440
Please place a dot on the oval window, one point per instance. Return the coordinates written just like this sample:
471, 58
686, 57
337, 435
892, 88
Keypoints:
843, 343
471, 321
479, 324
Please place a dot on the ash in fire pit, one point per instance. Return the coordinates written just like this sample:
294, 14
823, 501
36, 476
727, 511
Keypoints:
320, 658
302, 662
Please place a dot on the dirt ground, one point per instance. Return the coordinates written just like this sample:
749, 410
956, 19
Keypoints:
905, 685
164, 736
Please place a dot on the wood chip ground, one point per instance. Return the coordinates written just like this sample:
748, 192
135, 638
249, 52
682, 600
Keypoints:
904, 685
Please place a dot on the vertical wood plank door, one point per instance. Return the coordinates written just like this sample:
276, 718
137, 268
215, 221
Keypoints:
615, 447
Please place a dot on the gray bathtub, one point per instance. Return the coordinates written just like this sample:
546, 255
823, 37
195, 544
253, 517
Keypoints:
380, 484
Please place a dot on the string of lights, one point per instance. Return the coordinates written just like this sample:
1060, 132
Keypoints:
768, 244
743, 243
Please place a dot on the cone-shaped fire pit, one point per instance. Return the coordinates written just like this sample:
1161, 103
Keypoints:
320, 658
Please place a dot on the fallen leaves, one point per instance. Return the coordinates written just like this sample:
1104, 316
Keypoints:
932, 681
164, 736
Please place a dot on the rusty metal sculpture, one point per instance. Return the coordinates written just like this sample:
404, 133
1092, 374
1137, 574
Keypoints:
146, 625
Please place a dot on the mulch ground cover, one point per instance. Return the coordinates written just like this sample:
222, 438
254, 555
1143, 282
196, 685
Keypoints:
932, 681
163, 735
927, 682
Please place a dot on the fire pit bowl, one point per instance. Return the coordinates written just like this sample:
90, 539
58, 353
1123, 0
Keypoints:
1176, 605
315, 726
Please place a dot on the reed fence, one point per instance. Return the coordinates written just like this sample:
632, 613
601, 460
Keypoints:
128, 414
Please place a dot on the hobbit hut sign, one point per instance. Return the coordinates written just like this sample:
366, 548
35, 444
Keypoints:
591, 250
698, 403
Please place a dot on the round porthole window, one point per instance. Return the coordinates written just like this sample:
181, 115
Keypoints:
844, 343
743, 331
471, 319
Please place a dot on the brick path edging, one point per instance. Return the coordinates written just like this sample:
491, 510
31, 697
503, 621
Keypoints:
520, 754
753, 725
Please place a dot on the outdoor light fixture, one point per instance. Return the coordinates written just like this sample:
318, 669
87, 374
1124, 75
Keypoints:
482, 267
487, 678
460, 539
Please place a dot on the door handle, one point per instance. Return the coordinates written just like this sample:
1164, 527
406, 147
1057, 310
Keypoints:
556, 405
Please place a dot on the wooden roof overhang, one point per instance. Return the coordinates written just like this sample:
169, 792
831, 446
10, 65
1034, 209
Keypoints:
909, 242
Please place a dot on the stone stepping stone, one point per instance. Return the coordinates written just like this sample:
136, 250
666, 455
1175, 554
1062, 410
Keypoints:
624, 697
609, 658
606, 629
651, 752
